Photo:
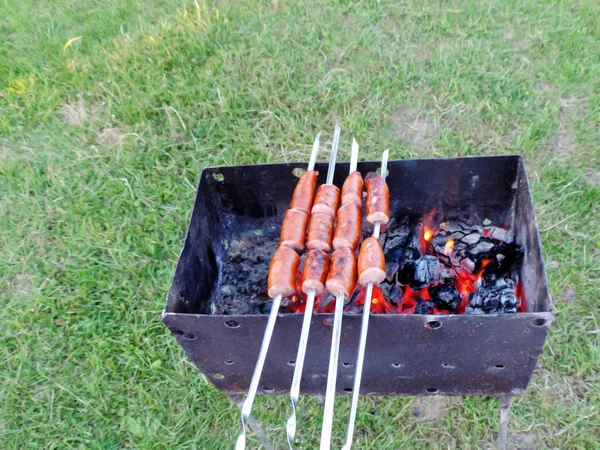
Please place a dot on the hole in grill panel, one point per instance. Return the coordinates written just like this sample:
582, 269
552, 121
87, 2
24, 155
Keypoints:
448, 365
432, 390
347, 364
217, 176
291, 363
396, 365
189, 336
348, 389
268, 389
328, 321
218, 376
232, 324
229, 362
539, 322
499, 366
433, 324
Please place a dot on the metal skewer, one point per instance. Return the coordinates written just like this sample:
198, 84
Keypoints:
360, 357
264, 348
295, 389
335, 346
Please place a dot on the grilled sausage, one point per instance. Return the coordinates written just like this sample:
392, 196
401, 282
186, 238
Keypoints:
293, 229
371, 262
305, 190
342, 275
327, 200
378, 199
282, 272
316, 268
349, 227
352, 190
320, 232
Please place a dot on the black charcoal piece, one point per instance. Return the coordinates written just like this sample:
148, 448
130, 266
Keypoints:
392, 292
495, 297
420, 273
326, 299
424, 307
445, 296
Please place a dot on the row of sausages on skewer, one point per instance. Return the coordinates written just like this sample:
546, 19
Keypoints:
338, 275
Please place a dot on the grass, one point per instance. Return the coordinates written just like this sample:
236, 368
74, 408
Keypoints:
102, 142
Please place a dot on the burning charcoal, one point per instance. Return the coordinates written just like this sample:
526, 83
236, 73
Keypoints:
326, 299
483, 245
394, 245
392, 292
498, 297
420, 273
413, 249
448, 275
500, 234
445, 296
424, 307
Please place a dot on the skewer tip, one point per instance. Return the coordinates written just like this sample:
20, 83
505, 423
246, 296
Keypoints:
354, 156
315, 152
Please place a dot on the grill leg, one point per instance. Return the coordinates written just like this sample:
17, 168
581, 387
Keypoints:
505, 402
238, 400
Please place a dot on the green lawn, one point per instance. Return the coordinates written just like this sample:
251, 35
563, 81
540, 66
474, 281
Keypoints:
103, 140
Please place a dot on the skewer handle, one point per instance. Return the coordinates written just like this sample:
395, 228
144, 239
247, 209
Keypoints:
360, 359
262, 355
295, 389
332, 373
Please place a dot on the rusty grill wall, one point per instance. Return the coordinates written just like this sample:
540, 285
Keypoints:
466, 355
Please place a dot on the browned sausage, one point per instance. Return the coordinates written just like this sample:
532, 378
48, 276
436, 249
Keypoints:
348, 228
371, 262
305, 191
293, 229
320, 232
352, 190
282, 272
342, 275
378, 199
316, 268
327, 200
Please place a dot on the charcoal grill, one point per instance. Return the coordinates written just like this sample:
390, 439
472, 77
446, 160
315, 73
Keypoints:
406, 354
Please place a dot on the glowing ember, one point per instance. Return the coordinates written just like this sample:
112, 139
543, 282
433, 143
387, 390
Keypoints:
449, 246
428, 234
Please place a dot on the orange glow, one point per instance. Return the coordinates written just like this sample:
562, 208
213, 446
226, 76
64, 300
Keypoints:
449, 246
428, 234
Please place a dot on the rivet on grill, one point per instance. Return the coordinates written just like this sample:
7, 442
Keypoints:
232, 324
433, 324
432, 390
